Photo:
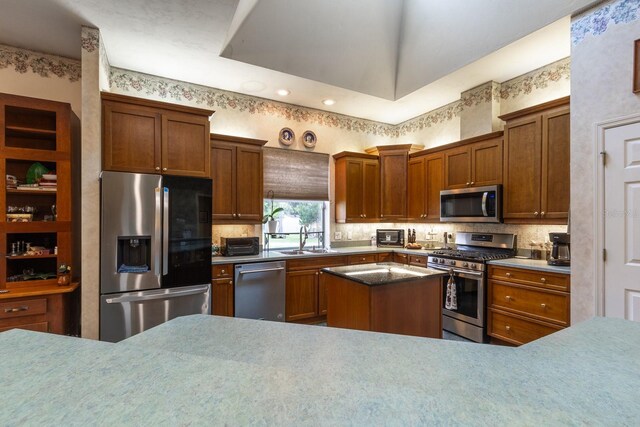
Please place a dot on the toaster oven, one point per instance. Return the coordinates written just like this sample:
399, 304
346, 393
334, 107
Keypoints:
237, 246
390, 238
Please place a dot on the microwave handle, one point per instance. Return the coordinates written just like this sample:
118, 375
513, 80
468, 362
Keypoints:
484, 203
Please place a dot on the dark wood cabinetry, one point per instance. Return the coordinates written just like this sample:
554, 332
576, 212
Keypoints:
357, 187
144, 136
525, 305
475, 162
425, 181
236, 171
393, 180
222, 296
536, 164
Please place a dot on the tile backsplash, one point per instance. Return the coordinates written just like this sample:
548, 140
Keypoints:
538, 234
241, 230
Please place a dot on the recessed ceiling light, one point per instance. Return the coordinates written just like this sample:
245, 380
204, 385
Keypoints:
328, 102
283, 92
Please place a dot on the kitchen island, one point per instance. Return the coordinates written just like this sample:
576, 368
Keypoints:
209, 370
385, 297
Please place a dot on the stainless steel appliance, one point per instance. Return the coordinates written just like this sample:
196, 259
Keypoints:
155, 257
560, 251
390, 238
476, 204
236, 246
260, 291
467, 266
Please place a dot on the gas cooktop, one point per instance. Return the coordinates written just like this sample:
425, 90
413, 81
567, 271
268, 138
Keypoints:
472, 255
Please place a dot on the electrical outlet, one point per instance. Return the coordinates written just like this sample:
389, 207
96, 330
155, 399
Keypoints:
337, 235
349, 235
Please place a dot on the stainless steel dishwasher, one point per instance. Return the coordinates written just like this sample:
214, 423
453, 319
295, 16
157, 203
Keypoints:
260, 291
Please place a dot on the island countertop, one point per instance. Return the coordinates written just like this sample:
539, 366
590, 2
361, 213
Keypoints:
209, 370
383, 273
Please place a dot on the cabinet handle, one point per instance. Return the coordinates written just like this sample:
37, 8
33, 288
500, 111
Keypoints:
535, 213
231, 282
164, 169
157, 168
472, 182
365, 215
542, 213
363, 259
543, 280
16, 309
508, 297
508, 274
507, 327
321, 272
543, 305
317, 273
222, 271
468, 183
239, 215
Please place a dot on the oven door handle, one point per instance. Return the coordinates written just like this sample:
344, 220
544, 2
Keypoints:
484, 203
457, 271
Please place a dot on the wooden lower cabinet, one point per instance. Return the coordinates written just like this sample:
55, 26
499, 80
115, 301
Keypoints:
56, 313
363, 259
418, 260
525, 305
385, 257
400, 258
222, 290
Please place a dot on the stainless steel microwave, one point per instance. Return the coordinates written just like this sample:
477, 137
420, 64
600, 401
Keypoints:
476, 204
390, 238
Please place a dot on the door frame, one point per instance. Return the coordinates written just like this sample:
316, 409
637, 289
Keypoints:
599, 205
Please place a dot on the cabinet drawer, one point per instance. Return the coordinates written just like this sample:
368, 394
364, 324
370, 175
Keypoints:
363, 259
30, 307
387, 257
531, 277
400, 258
37, 327
545, 305
515, 329
316, 262
420, 261
221, 271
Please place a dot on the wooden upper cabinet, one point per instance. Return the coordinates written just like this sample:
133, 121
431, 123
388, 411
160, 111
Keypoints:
144, 136
536, 164
394, 161
476, 162
236, 172
425, 181
357, 187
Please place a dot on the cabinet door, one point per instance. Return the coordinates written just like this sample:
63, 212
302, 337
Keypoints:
185, 145
434, 165
249, 184
457, 169
355, 196
371, 190
222, 297
522, 168
393, 185
131, 138
416, 189
555, 164
486, 163
322, 295
223, 160
302, 295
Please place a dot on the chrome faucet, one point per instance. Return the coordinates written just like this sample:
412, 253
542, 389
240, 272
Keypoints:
306, 235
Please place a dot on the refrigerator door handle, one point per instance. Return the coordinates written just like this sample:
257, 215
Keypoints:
157, 260
165, 294
165, 233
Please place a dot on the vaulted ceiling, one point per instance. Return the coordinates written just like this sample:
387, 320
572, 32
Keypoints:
386, 60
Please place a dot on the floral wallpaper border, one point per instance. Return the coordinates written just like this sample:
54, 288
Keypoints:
598, 21
536, 79
42, 64
90, 38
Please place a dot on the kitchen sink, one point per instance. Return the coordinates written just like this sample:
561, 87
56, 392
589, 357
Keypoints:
294, 252
306, 251
319, 251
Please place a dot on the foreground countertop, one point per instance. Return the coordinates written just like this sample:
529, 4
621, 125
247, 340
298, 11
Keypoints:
383, 273
208, 370
531, 264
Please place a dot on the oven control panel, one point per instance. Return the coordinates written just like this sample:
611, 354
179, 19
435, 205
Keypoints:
439, 262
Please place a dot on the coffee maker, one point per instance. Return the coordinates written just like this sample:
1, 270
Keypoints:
560, 253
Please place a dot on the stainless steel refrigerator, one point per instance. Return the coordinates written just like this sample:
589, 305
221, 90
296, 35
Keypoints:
155, 251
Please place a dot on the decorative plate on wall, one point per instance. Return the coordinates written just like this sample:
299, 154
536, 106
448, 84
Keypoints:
309, 139
286, 136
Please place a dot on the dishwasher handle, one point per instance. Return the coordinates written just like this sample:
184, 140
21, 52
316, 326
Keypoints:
264, 270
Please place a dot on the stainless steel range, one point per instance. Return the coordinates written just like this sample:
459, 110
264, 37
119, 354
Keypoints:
463, 312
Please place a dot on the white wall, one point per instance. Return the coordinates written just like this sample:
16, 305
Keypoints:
602, 70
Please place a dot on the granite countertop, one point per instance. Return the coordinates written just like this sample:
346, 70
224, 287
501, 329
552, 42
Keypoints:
531, 264
274, 255
211, 370
383, 273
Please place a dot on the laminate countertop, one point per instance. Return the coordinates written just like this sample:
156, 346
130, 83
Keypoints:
209, 370
383, 273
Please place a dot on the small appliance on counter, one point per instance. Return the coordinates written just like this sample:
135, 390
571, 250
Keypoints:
239, 246
390, 238
560, 251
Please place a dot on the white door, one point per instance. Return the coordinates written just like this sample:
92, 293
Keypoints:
622, 222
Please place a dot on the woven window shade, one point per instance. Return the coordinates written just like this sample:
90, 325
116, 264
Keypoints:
296, 175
